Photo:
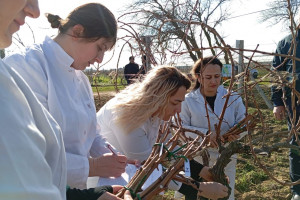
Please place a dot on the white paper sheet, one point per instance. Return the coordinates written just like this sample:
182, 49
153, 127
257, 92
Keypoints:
130, 170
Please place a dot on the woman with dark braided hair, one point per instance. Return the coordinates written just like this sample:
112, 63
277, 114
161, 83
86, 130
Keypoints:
53, 70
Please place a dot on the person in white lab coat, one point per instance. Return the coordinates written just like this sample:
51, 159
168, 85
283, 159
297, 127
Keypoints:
32, 155
53, 71
208, 88
130, 121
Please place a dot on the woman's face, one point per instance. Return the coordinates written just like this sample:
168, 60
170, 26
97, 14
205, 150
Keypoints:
87, 53
174, 104
12, 16
210, 79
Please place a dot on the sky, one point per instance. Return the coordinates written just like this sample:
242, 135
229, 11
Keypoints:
240, 27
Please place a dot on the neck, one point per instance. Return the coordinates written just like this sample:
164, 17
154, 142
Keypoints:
208, 94
63, 42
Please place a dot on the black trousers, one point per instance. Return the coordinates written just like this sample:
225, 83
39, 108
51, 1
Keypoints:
87, 194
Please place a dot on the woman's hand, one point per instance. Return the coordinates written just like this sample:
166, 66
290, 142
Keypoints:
205, 173
116, 188
233, 138
212, 190
213, 140
108, 165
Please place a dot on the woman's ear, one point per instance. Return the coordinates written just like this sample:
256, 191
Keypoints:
77, 31
199, 78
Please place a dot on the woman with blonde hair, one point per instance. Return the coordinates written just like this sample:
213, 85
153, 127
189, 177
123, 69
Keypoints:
130, 121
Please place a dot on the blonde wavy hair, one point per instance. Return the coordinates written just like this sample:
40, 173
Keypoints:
139, 101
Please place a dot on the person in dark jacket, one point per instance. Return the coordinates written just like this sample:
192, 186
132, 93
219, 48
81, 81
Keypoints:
285, 47
131, 70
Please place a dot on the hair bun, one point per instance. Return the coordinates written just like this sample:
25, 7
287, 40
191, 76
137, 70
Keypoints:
54, 20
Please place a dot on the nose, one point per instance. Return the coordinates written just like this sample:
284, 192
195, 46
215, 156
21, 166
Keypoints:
99, 58
214, 80
178, 108
32, 9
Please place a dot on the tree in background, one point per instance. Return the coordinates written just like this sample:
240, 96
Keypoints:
154, 18
278, 12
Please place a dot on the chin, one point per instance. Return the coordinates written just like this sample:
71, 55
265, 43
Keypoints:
6, 41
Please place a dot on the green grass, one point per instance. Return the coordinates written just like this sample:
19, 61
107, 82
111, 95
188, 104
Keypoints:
247, 178
107, 88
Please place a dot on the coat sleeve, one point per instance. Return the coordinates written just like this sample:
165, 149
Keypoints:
78, 170
25, 171
239, 114
240, 110
186, 116
99, 146
32, 72
135, 145
276, 93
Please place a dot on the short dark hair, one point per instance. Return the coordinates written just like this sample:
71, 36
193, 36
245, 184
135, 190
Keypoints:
131, 57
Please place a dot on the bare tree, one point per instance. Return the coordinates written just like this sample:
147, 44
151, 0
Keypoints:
278, 12
156, 18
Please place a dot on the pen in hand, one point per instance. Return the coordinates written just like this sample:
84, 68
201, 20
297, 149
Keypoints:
112, 150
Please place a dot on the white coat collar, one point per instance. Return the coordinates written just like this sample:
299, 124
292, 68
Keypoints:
58, 54
196, 94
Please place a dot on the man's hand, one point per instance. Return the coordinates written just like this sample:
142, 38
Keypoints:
279, 112
212, 190
108, 165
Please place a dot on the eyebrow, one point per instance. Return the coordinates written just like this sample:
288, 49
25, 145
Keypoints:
211, 74
179, 100
105, 47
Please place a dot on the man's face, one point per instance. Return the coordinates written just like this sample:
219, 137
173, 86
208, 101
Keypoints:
131, 60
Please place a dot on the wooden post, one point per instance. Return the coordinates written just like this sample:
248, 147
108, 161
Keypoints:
240, 45
147, 41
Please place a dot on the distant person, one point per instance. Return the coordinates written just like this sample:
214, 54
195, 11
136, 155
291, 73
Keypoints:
131, 70
143, 68
280, 64
53, 70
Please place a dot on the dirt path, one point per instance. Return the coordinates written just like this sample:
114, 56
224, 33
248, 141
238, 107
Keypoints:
104, 97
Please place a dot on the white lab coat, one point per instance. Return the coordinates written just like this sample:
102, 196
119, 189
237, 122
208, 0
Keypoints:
193, 115
66, 93
193, 111
32, 155
136, 145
